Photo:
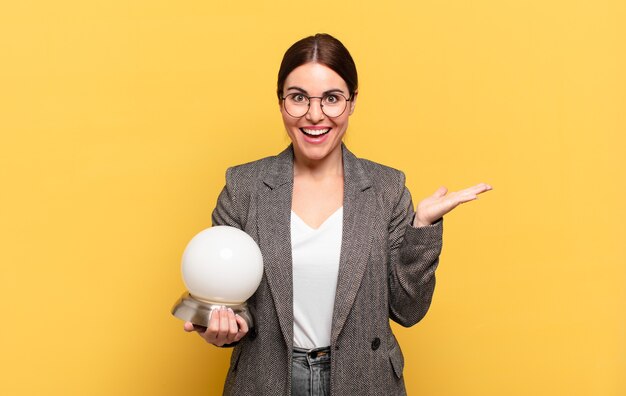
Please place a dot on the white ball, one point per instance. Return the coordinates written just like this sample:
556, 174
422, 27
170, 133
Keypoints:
222, 264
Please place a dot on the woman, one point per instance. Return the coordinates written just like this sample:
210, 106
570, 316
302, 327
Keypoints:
343, 248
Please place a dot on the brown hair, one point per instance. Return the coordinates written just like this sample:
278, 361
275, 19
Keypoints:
325, 50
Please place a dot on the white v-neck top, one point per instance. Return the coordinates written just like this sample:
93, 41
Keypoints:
315, 254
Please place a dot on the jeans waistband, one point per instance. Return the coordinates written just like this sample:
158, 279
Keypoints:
311, 353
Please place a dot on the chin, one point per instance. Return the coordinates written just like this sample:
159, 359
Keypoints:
317, 152
313, 153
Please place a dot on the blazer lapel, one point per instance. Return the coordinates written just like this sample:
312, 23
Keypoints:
274, 230
359, 205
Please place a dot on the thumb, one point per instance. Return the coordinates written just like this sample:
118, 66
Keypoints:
188, 327
441, 191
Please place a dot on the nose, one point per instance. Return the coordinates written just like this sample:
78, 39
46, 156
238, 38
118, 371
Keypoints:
315, 113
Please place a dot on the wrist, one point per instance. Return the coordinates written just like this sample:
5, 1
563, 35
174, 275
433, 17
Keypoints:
417, 222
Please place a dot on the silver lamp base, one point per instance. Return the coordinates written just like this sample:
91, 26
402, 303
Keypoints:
197, 311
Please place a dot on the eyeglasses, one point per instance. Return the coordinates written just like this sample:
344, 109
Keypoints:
298, 104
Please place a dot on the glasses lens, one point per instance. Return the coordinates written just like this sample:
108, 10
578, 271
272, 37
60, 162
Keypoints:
334, 105
296, 104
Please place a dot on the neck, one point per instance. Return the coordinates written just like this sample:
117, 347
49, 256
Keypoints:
331, 165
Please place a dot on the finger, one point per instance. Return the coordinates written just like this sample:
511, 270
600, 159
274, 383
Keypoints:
224, 325
188, 327
214, 320
458, 197
232, 323
471, 193
462, 198
468, 194
243, 327
441, 191
213, 328
479, 188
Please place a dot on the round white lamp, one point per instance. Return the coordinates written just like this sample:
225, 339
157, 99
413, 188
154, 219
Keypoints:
221, 265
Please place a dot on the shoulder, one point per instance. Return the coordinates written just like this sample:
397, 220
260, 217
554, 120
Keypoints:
248, 171
382, 173
383, 177
235, 199
247, 174
388, 182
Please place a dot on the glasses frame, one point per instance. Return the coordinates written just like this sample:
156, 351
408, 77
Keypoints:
321, 104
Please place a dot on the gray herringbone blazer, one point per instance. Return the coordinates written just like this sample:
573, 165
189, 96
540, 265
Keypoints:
387, 270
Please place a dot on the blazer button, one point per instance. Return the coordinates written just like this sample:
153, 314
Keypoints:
375, 343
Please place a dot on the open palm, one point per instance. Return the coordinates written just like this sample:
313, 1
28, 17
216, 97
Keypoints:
441, 202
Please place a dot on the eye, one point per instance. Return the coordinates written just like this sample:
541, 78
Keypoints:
298, 98
331, 99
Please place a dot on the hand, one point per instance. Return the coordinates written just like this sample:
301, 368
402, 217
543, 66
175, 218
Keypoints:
434, 207
224, 327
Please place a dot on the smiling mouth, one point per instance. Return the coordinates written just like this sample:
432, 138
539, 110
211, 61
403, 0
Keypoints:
315, 132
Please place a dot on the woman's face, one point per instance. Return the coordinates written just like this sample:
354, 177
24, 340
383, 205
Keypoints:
315, 135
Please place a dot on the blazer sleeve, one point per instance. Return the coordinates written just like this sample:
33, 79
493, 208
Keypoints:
226, 211
414, 256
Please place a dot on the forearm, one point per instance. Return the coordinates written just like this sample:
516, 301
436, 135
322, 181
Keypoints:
412, 273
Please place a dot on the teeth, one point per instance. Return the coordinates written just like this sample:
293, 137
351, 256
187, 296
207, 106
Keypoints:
315, 132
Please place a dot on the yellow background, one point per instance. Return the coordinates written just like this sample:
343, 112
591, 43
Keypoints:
119, 118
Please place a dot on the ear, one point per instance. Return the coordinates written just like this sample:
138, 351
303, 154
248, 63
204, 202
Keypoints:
353, 102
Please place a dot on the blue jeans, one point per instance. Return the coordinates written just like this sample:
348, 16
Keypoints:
310, 372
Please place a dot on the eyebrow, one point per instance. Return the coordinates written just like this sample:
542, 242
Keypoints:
324, 93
